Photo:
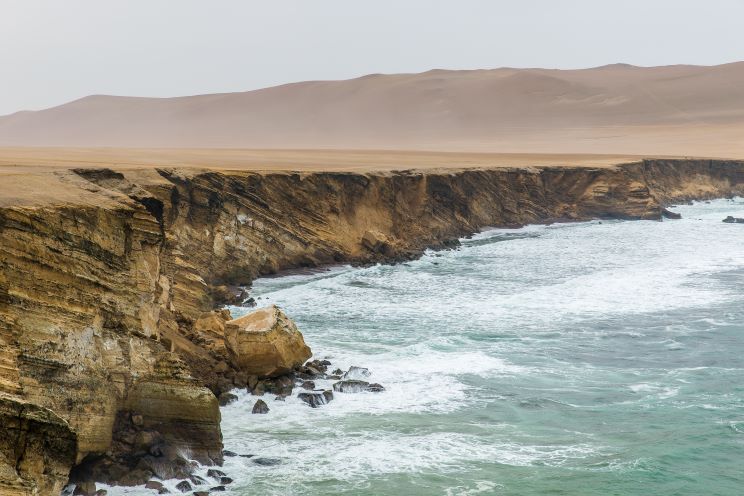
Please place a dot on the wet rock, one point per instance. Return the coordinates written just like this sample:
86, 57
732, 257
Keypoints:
668, 214
225, 480
357, 373
201, 493
85, 489
280, 398
260, 389
218, 488
266, 343
154, 485
252, 381
240, 380
733, 220
246, 456
314, 399
267, 462
375, 388
215, 474
227, 398
103, 492
183, 486
229, 453
309, 385
260, 407
313, 371
328, 395
353, 386
197, 481
338, 372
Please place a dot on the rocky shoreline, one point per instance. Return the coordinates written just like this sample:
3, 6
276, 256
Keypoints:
110, 350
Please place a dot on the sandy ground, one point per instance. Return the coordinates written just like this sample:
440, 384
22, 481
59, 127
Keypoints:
41, 176
27, 160
616, 109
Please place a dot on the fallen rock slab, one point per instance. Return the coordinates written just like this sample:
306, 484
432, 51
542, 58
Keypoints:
266, 343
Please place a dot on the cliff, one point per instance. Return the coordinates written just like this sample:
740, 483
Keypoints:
104, 273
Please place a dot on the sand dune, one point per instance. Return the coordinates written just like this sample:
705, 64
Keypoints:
618, 109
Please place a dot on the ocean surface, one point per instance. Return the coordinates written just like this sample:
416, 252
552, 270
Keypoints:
597, 358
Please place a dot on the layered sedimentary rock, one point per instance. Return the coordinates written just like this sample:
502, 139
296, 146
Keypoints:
107, 281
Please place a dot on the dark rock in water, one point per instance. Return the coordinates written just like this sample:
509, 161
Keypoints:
267, 462
85, 489
246, 456
357, 387
183, 486
198, 481
314, 399
103, 492
227, 398
313, 371
375, 388
250, 302
216, 474
260, 407
260, 389
338, 372
733, 220
325, 362
218, 488
252, 381
328, 395
201, 493
308, 385
229, 453
357, 373
158, 486
280, 398
668, 214
225, 480
352, 386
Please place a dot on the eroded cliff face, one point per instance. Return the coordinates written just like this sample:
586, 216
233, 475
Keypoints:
100, 298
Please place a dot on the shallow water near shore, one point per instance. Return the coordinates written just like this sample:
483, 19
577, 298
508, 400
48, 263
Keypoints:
579, 359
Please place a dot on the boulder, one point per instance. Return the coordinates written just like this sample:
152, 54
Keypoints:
183, 486
357, 373
733, 220
214, 473
267, 462
309, 385
227, 398
668, 214
266, 343
353, 386
85, 489
377, 242
315, 399
260, 407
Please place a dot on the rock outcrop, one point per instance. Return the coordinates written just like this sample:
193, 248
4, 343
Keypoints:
109, 278
266, 343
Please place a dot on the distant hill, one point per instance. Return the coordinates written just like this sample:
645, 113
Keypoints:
610, 109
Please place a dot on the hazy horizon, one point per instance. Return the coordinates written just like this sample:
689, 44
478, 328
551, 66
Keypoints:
65, 51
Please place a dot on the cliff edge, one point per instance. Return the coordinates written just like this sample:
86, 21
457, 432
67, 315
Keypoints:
106, 271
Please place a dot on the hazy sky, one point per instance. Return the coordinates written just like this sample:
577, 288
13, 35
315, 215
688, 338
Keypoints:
53, 51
